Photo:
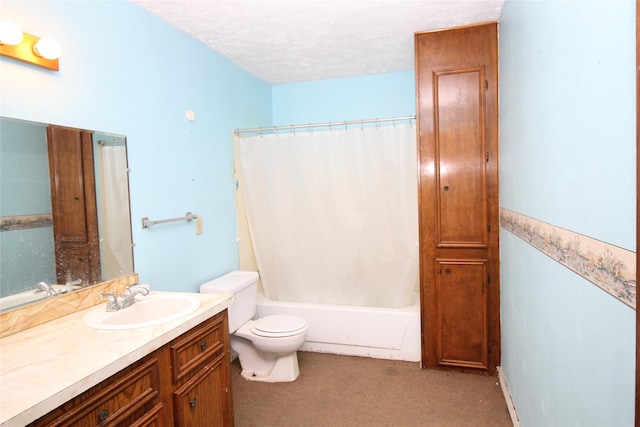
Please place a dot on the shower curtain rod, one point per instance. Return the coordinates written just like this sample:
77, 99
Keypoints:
328, 124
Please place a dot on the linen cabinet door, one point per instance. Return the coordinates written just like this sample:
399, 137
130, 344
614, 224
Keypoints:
462, 313
457, 87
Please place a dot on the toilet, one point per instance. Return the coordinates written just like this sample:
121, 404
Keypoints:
267, 347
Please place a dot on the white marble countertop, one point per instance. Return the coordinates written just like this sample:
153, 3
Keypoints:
49, 364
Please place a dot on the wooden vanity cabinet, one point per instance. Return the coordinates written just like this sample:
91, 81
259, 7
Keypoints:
187, 382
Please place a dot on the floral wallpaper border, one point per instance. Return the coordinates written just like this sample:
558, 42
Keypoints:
609, 267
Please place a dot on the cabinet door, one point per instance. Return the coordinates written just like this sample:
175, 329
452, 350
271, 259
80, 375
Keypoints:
457, 85
462, 313
202, 401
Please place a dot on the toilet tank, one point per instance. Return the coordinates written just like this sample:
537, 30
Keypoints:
242, 284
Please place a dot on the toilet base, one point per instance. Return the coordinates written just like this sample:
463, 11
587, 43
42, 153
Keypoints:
260, 366
285, 369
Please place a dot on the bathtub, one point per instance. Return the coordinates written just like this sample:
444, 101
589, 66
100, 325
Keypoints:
382, 333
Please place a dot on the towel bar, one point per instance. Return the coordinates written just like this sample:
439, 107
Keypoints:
146, 222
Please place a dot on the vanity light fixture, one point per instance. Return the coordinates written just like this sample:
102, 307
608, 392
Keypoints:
47, 48
43, 52
10, 33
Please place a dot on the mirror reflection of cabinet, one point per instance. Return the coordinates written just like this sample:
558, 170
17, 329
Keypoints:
28, 197
73, 205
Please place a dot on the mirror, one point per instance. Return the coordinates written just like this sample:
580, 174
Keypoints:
72, 234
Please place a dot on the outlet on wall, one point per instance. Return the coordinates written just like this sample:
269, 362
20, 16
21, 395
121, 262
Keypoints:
199, 225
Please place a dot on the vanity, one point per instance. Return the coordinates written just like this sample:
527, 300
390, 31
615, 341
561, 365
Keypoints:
67, 225
62, 372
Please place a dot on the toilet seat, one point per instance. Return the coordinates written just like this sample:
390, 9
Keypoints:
279, 326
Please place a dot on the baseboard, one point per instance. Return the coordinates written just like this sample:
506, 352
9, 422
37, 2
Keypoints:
353, 350
507, 397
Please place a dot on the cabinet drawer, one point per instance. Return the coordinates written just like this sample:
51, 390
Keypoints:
197, 346
120, 400
153, 418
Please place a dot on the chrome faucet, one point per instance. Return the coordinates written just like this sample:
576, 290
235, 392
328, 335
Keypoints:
130, 293
45, 287
123, 301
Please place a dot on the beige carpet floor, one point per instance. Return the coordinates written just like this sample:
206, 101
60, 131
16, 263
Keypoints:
348, 391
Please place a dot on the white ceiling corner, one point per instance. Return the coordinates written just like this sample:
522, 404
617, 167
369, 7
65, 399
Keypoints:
286, 41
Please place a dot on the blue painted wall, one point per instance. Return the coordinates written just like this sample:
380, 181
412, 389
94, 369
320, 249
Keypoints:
354, 98
124, 71
567, 119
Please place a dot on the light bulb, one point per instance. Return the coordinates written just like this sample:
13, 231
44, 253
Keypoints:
47, 48
10, 33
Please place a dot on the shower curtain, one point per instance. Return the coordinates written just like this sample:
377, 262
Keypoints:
333, 214
115, 225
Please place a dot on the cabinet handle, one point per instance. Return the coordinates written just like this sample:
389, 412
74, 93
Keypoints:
203, 345
103, 415
446, 188
193, 402
447, 270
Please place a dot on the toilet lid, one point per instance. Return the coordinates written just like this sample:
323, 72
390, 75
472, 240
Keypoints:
279, 325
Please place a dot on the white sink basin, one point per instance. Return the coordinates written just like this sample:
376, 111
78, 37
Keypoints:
150, 310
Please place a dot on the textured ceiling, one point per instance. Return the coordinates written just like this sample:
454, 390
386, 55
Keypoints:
285, 41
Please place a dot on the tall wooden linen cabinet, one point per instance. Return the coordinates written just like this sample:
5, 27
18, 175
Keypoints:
457, 105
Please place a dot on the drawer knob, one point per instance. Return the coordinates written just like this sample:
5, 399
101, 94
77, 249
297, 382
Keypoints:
193, 402
203, 345
103, 415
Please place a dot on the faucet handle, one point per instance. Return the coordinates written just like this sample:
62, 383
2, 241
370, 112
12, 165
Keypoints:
129, 288
71, 285
45, 287
112, 302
